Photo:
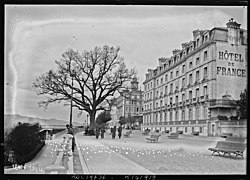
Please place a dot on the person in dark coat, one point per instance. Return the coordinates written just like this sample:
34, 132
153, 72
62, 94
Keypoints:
120, 131
102, 132
113, 132
71, 131
97, 132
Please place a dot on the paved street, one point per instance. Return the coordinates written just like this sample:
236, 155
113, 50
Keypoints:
133, 155
186, 155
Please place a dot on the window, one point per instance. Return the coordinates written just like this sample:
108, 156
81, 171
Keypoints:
183, 68
137, 109
177, 73
183, 97
151, 84
171, 87
190, 64
200, 129
150, 95
198, 42
205, 72
156, 94
197, 93
176, 115
190, 95
166, 89
197, 112
197, 75
171, 100
183, 82
171, 75
156, 105
197, 61
185, 129
205, 55
205, 90
176, 99
166, 78
183, 115
190, 79
161, 80
157, 82
161, 103
171, 118
145, 88
206, 38
190, 114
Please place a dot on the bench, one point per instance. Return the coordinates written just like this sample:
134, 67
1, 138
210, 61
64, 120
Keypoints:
173, 136
180, 132
127, 134
153, 138
225, 135
195, 133
228, 147
235, 139
145, 133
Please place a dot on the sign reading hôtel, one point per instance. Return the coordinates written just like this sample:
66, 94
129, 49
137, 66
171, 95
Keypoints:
232, 59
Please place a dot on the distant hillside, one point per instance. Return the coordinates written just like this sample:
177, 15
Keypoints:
11, 120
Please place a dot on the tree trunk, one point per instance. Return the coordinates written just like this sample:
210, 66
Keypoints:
92, 119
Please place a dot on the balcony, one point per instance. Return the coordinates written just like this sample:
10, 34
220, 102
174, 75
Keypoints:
193, 122
197, 81
205, 78
222, 103
185, 122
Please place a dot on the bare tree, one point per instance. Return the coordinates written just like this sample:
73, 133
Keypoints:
87, 80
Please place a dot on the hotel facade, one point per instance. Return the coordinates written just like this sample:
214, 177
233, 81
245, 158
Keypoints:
197, 83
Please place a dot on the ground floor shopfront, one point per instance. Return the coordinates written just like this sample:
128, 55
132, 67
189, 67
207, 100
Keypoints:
212, 127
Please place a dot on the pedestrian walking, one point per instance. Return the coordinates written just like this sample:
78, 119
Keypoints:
102, 132
120, 131
97, 132
71, 131
113, 132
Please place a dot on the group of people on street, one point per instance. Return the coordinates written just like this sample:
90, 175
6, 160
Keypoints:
98, 131
113, 132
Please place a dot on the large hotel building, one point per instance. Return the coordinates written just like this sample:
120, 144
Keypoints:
198, 82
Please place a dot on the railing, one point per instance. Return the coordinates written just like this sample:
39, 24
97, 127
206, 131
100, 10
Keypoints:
64, 160
193, 122
223, 102
202, 121
185, 122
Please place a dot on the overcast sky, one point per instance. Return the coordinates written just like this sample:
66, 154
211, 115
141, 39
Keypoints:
36, 36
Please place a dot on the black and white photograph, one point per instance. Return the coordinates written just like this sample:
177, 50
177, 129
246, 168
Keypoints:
128, 90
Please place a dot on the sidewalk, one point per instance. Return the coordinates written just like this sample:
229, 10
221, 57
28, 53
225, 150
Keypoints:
99, 159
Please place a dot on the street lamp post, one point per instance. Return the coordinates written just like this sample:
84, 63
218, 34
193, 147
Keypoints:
72, 75
87, 119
